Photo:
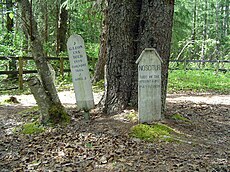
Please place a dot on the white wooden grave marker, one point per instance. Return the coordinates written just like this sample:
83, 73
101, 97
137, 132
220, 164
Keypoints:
80, 73
149, 86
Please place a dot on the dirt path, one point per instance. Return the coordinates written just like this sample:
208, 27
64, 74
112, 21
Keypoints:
104, 144
68, 97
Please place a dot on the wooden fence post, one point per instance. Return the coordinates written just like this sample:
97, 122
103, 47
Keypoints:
185, 65
217, 66
20, 71
62, 66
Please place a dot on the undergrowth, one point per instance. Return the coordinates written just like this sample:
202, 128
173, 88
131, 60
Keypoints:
199, 81
179, 80
30, 128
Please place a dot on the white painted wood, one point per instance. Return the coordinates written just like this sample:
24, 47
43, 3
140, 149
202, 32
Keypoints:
149, 86
80, 72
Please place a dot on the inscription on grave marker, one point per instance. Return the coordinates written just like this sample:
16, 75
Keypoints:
80, 72
149, 86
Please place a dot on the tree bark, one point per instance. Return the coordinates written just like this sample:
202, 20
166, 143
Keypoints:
56, 111
45, 17
217, 32
121, 53
9, 20
62, 29
41, 97
2, 17
155, 31
100, 67
203, 50
9, 36
226, 18
133, 26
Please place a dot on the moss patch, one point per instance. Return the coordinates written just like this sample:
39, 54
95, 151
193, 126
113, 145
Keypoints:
58, 115
180, 118
32, 128
153, 132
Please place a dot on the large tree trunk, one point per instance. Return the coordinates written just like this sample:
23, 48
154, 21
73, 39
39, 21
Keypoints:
134, 26
121, 53
56, 112
155, 31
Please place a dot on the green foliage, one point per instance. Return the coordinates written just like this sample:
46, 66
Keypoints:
152, 132
99, 86
132, 116
64, 82
199, 24
32, 128
84, 19
92, 51
180, 118
11, 100
88, 145
199, 81
181, 26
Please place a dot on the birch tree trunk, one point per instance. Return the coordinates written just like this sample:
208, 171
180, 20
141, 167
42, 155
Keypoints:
56, 112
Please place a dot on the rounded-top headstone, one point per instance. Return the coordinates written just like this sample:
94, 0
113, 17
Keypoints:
149, 86
80, 72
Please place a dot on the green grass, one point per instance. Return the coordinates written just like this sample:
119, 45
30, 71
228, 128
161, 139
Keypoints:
199, 81
179, 80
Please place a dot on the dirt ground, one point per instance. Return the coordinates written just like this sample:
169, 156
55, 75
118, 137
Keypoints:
104, 143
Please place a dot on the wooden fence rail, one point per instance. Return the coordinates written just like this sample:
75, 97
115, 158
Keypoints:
201, 65
62, 70
20, 70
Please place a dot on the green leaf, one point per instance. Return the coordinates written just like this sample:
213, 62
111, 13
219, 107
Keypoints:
11, 15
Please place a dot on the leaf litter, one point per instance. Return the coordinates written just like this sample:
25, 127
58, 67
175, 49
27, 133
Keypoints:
104, 143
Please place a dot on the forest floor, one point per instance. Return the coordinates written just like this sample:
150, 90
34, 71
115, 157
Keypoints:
104, 144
